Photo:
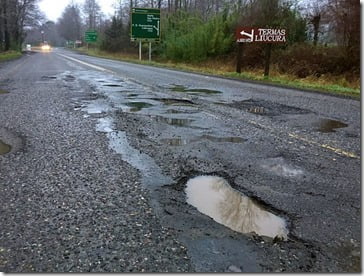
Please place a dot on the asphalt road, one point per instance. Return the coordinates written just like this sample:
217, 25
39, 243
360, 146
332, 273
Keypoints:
95, 156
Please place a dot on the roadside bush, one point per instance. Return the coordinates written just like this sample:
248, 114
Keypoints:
192, 40
303, 60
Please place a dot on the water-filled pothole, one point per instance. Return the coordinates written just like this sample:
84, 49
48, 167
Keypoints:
328, 125
137, 106
48, 77
213, 196
178, 141
174, 121
112, 85
168, 101
266, 108
181, 88
4, 148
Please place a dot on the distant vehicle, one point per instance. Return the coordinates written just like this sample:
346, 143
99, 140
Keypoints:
28, 47
46, 47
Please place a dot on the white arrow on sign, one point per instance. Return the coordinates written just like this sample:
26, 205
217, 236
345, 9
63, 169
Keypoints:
157, 28
250, 35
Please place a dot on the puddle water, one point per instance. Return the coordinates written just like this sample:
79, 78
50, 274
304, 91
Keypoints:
175, 101
3, 91
183, 142
112, 85
137, 106
213, 196
278, 166
48, 77
174, 121
181, 88
327, 125
4, 148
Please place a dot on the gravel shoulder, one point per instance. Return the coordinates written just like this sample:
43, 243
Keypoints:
69, 203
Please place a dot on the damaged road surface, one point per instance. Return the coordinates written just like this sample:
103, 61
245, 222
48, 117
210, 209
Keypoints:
107, 166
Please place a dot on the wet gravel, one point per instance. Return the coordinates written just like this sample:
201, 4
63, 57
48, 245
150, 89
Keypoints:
69, 203
77, 202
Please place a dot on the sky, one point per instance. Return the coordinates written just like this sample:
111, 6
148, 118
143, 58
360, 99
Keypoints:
53, 8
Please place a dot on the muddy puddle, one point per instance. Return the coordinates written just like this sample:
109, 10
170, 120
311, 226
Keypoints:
182, 141
4, 148
328, 125
184, 89
214, 197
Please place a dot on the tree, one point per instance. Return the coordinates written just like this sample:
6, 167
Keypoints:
15, 16
92, 11
70, 24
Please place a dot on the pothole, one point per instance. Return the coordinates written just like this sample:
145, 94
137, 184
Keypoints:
181, 88
182, 141
168, 101
69, 78
112, 85
214, 197
174, 121
48, 77
3, 91
328, 125
266, 108
137, 106
4, 148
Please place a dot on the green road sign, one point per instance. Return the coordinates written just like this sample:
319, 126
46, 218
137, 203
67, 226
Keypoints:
90, 36
145, 24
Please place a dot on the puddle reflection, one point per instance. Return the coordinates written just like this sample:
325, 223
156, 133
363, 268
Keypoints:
137, 106
4, 148
182, 141
213, 196
327, 125
174, 121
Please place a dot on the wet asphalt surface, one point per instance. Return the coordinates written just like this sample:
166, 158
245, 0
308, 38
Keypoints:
100, 156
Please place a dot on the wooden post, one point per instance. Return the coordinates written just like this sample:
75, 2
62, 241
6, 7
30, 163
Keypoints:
268, 50
239, 57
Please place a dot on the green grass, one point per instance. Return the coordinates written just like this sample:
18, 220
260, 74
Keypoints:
9, 55
331, 85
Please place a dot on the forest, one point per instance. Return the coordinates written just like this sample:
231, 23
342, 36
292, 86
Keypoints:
323, 36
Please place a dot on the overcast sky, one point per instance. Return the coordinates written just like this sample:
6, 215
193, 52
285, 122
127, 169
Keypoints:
53, 8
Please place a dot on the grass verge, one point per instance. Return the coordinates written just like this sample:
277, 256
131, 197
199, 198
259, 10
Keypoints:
9, 55
329, 84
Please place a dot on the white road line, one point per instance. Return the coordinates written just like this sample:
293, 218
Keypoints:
87, 64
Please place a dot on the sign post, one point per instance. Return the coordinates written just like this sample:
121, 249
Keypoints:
145, 27
259, 35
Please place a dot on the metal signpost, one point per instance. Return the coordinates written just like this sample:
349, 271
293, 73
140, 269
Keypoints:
258, 35
145, 27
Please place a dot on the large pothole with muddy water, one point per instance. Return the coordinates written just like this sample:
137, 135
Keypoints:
214, 197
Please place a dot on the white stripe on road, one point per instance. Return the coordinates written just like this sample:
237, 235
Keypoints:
87, 64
